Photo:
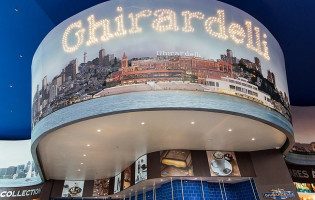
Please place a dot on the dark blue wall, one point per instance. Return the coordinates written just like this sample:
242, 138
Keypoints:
192, 190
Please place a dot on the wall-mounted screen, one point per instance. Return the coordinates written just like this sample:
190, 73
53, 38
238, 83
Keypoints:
223, 163
153, 48
176, 163
117, 186
101, 187
141, 169
306, 191
72, 189
127, 178
17, 167
304, 129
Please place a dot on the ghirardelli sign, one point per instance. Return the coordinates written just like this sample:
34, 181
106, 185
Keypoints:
21, 193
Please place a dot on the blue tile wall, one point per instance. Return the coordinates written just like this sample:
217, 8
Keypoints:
192, 190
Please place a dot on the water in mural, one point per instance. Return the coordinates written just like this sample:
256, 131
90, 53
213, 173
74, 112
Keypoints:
17, 167
118, 47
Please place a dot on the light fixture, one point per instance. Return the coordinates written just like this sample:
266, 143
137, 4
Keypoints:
142, 123
21, 56
79, 170
192, 123
11, 86
229, 179
88, 145
253, 139
99, 130
277, 147
84, 155
230, 130
81, 163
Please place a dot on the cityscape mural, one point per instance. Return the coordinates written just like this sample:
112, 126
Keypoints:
17, 167
63, 76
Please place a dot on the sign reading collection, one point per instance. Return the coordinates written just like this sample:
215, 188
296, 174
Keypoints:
165, 20
20, 192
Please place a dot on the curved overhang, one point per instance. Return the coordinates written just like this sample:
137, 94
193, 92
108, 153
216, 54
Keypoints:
127, 134
175, 93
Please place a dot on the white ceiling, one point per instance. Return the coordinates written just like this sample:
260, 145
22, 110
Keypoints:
123, 138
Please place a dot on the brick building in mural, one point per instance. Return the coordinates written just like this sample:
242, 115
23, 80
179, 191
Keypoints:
170, 68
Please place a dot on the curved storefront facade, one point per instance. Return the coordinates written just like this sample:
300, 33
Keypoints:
160, 100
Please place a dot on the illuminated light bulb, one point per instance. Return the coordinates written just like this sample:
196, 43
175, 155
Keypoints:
93, 26
265, 47
120, 24
250, 37
237, 33
257, 36
164, 16
220, 21
187, 19
134, 20
250, 45
79, 34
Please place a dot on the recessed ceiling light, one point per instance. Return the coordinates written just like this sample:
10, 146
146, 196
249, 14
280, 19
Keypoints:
16, 10
277, 147
192, 123
230, 130
11, 85
88, 145
142, 123
79, 170
21, 56
81, 163
84, 155
253, 139
99, 130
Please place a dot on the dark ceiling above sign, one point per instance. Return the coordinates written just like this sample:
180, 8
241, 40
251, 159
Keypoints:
291, 22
